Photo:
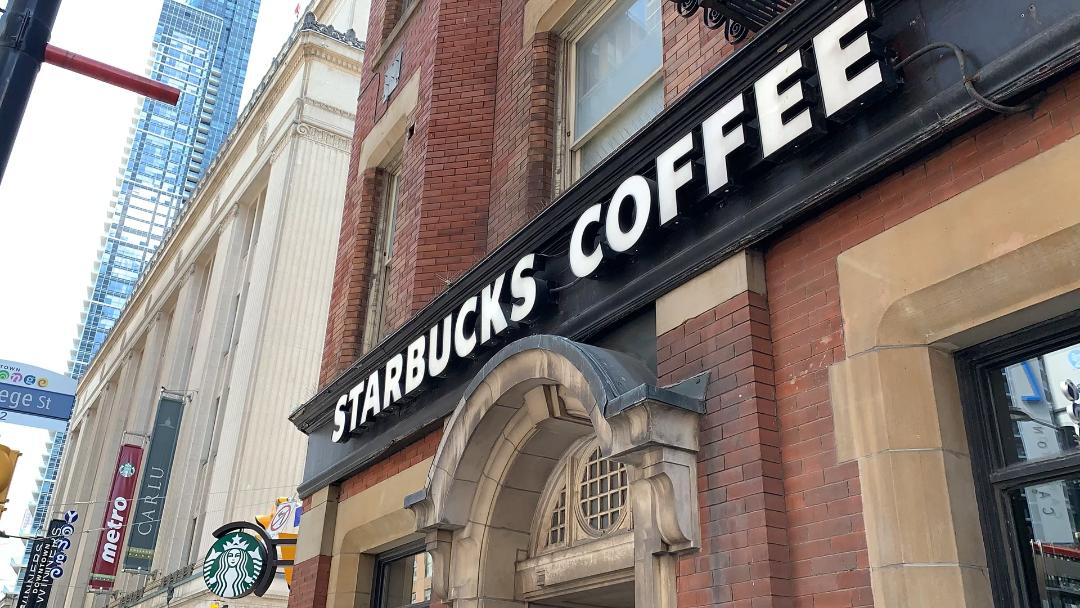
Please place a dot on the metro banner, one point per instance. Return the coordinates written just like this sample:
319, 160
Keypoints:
117, 516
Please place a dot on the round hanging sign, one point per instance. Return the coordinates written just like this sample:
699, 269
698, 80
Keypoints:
233, 565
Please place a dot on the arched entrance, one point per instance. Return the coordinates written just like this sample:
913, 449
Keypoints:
526, 417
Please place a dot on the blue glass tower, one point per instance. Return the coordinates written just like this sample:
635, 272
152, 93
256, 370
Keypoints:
200, 47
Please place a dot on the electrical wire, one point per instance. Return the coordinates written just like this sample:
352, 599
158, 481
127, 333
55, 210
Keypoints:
58, 505
968, 81
149, 521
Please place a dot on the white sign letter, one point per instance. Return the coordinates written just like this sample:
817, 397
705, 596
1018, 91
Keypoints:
772, 103
523, 288
637, 188
834, 61
583, 264
414, 365
371, 398
392, 384
437, 363
718, 147
339, 419
465, 344
670, 178
492, 318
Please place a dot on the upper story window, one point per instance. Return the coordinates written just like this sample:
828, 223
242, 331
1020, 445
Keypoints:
382, 261
614, 59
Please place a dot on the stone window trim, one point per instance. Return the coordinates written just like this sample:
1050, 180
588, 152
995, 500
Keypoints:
896, 401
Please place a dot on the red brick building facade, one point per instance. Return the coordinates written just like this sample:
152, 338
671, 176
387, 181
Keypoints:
839, 460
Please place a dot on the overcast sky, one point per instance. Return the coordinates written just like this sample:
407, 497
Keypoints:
57, 189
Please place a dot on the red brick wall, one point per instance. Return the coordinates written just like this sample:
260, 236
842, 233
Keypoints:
744, 556
691, 50
363, 194
311, 581
826, 539
393, 464
444, 166
352, 276
524, 128
453, 210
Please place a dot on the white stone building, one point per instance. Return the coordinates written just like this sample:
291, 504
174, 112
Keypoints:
232, 312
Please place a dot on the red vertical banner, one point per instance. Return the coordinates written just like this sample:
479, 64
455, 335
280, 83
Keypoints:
117, 514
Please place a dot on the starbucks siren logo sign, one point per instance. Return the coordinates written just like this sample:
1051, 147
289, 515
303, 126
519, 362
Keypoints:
233, 564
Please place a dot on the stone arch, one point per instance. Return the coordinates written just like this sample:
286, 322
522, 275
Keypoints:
532, 401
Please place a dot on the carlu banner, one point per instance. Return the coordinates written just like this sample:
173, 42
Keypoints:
145, 522
34, 396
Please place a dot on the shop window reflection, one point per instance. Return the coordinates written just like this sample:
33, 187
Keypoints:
1041, 420
1046, 518
403, 580
1025, 452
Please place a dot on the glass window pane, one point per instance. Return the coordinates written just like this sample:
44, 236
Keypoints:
405, 581
1038, 420
1046, 521
628, 121
391, 215
614, 58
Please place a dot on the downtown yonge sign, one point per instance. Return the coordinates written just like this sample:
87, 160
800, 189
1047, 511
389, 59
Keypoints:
851, 72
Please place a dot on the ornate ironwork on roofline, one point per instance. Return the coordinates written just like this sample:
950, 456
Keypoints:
737, 17
310, 24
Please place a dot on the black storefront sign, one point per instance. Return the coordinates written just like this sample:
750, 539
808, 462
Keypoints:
150, 505
37, 579
1006, 59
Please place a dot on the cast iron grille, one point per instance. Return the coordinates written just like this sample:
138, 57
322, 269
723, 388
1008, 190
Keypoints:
602, 492
737, 17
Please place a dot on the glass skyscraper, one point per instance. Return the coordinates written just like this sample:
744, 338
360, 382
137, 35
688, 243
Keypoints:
200, 47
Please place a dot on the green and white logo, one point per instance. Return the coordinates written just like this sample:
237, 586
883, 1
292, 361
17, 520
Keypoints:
233, 564
127, 470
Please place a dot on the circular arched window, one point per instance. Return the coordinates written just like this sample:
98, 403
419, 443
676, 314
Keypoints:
602, 493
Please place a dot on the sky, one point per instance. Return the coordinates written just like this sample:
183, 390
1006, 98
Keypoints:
56, 191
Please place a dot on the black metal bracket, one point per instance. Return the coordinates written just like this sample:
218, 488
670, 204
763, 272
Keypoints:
737, 17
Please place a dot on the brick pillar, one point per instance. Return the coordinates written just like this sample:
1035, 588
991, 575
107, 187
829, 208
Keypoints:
352, 275
314, 546
311, 581
452, 226
744, 557
523, 155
